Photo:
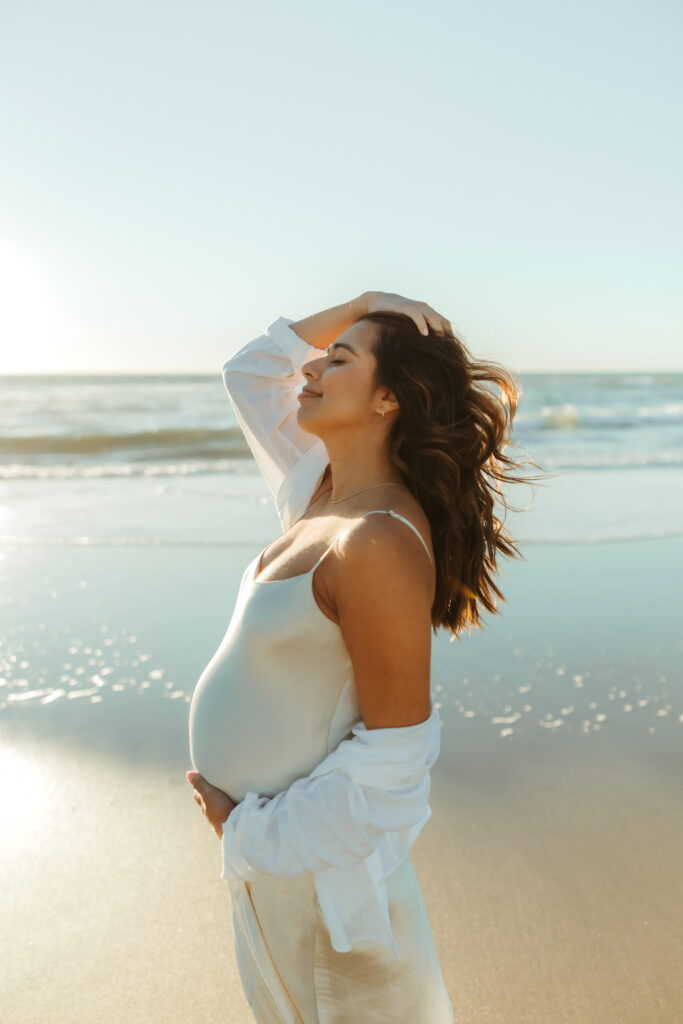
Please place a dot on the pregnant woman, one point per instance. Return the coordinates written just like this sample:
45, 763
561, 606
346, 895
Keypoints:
312, 728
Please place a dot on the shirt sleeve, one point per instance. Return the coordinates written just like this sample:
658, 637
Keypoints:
263, 380
375, 783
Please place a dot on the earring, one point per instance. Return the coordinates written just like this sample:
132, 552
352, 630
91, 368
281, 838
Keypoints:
382, 411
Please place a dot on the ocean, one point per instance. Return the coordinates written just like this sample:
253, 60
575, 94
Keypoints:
131, 506
161, 460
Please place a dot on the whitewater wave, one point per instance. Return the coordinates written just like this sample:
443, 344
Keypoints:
241, 462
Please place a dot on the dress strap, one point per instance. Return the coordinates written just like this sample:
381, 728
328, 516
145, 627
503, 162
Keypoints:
386, 511
396, 515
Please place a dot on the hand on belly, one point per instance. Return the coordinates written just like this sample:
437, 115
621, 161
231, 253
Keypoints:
215, 804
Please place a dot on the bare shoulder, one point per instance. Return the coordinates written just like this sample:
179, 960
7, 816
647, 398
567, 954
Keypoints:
389, 538
383, 594
381, 550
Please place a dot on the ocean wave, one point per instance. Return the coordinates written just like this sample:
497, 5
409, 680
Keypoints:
228, 442
570, 416
127, 470
561, 417
610, 460
102, 444
242, 462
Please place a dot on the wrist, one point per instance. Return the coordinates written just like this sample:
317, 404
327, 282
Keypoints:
359, 305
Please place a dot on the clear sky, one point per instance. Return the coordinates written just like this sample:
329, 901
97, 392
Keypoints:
174, 176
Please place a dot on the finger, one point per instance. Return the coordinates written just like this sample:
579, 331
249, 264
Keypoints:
434, 320
426, 319
438, 324
197, 798
196, 780
420, 322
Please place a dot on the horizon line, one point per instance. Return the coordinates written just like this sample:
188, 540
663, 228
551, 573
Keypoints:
212, 373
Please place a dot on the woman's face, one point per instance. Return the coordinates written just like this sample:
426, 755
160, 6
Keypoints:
343, 378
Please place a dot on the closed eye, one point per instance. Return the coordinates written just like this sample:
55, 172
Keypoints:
333, 361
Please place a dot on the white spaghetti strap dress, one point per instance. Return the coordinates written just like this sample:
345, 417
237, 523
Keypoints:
278, 697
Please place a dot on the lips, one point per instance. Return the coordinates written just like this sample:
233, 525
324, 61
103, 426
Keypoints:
307, 391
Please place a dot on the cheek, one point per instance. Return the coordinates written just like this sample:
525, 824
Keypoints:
344, 397
346, 387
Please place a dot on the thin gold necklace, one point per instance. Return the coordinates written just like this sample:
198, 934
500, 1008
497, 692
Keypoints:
337, 500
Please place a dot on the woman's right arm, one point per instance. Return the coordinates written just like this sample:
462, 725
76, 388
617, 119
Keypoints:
263, 379
321, 329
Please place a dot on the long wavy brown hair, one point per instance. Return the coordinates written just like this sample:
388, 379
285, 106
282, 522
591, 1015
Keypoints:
448, 442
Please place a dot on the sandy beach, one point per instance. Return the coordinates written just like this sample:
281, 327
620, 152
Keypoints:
550, 867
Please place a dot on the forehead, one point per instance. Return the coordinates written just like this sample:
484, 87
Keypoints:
355, 339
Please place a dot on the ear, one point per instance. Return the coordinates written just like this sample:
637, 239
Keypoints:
388, 399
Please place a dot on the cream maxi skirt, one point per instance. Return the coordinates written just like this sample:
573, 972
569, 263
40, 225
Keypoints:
291, 974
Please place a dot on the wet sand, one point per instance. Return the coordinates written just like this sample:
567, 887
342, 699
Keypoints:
550, 867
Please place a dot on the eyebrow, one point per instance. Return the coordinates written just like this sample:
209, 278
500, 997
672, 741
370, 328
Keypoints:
342, 344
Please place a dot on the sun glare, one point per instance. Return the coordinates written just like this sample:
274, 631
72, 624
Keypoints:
32, 318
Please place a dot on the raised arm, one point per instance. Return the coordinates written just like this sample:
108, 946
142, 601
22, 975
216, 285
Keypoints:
321, 329
263, 379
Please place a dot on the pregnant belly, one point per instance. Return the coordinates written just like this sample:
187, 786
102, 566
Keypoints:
246, 736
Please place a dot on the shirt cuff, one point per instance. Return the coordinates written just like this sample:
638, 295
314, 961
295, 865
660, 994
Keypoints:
233, 864
289, 342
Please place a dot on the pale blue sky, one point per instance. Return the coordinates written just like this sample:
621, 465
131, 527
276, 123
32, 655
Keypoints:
174, 176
